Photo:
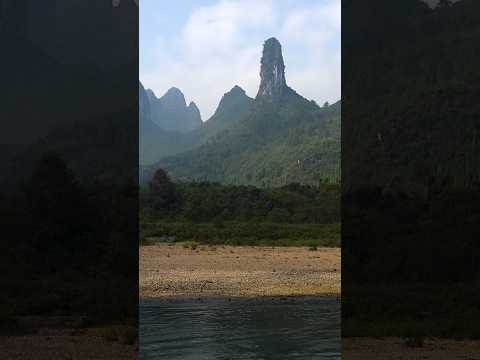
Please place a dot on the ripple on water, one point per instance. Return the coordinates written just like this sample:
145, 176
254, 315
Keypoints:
247, 329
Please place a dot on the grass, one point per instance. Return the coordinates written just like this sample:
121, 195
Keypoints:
244, 233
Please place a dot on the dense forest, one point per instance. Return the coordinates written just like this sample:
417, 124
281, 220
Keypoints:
212, 212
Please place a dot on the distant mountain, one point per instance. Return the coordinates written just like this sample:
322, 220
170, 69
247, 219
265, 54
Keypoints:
154, 141
194, 119
171, 113
145, 112
278, 138
157, 142
233, 107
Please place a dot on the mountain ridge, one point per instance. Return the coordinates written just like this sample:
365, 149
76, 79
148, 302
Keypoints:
171, 113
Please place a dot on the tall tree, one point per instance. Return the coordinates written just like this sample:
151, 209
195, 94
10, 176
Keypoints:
163, 192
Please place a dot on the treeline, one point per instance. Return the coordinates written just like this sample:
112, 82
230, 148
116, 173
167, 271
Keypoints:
201, 202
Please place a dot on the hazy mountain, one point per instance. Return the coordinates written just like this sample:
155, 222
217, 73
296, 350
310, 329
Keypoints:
144, 110
151, 95
157, 143
194, 119
233, 107
171, 113
279, 137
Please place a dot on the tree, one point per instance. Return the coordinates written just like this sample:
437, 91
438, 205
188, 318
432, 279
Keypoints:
163, 192
326, 104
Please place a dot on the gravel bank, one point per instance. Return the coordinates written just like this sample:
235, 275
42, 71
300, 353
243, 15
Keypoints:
168, 270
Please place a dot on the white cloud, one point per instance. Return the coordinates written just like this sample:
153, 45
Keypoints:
315, 31
220, 46
220, 30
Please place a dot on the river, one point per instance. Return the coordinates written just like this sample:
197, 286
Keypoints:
241, 328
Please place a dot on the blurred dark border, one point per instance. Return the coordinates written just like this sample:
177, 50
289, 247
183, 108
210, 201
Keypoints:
69, 166
410, 170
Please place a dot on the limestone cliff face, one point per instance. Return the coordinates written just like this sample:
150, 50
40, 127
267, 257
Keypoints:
272, 72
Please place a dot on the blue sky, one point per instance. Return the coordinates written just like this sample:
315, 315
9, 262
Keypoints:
205, 47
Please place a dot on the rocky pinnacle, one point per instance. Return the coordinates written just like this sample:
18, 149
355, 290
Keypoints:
272, 72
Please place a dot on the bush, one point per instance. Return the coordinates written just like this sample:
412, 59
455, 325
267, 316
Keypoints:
245, 233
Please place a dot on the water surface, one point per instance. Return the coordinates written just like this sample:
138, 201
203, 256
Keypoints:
247, 329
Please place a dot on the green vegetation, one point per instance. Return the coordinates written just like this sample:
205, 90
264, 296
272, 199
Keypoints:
210, 213
296, 142
156, 143
241, 233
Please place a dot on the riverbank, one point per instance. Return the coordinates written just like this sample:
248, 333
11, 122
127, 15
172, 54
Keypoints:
169, 270
398, 349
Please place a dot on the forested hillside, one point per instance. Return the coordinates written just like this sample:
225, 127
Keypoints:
272, 146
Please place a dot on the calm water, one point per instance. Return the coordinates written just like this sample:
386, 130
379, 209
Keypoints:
190, 329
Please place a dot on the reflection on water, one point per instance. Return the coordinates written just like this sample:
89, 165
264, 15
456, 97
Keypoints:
192, 329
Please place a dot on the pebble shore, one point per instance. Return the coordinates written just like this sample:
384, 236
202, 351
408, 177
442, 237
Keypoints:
170, 270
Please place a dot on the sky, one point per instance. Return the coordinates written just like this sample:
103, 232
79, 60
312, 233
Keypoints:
205, 47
